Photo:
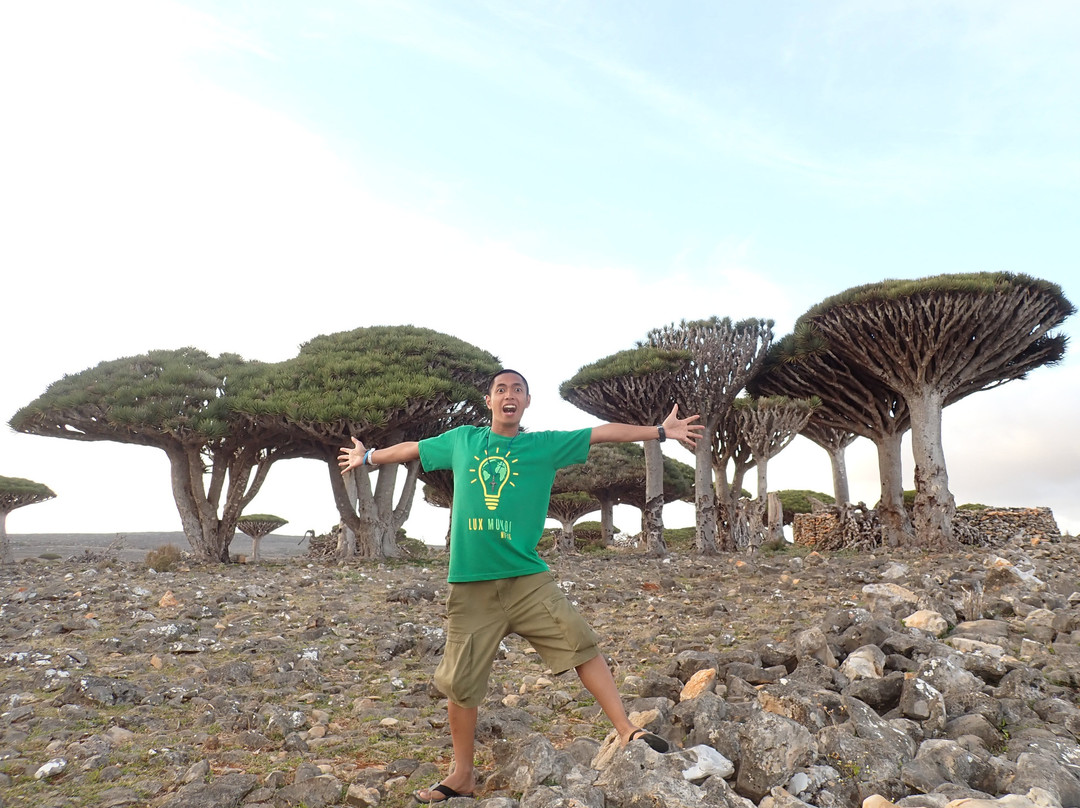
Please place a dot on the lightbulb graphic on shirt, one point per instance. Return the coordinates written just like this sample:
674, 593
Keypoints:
494, 473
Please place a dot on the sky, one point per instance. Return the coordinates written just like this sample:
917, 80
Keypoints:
546, 180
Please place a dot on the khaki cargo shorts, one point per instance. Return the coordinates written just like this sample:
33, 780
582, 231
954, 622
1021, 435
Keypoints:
482, 613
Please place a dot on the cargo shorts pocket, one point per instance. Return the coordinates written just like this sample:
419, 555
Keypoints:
457, 677
569, 624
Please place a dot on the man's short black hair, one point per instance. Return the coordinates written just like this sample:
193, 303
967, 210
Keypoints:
498, 373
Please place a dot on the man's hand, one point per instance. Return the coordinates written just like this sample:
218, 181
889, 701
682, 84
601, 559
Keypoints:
682, 429
351, 457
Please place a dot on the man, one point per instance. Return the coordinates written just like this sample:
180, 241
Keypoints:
498, 583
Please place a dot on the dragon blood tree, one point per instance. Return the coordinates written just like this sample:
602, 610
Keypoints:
724, 356
936, 340
636, 386
383, 385
256, 526
15, 492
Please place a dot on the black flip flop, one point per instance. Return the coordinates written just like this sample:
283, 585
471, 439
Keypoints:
446, 791
655, 742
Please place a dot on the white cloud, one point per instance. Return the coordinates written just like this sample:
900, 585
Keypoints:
178, 213
147, 207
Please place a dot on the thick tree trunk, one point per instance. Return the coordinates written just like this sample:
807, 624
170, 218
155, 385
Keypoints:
722, 493
733, 516
209, 534
763, 478
564, 544
347, 508
404, 506
240, 487
652, 528
934, 503
381, 540
373, 516
704, 496
895, 524
607, 522
199, 522
775, 512
346, 544
652, 515
6, 554
763, 527
841, 489
255, 540
755, 525
180, 477
211, 545
371, 537
740, 527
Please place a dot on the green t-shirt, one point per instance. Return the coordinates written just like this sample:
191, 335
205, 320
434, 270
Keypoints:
502, 487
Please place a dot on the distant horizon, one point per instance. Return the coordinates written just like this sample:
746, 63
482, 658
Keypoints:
301, 536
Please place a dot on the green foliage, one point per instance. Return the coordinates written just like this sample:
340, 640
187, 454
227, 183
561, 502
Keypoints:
569, 506
678, 480
805, 340
791, 349
972, 506
164, 558
137, 399
616, 471
575, 499
175, 400
609, 465
849, 769
714, 323
258, 525
15, 492
438, 487
369, 377
680, 539
589, 536
411, 548
798, 501
401, 382
640, 361
20, 486
547, 539
763, 403
785, 549
965, 282
262, 517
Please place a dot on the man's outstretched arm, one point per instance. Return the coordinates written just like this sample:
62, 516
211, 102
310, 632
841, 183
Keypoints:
676, 428
353, 456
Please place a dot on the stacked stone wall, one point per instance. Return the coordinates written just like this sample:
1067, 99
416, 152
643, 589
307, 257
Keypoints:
985, 525
812, 529
1004, 524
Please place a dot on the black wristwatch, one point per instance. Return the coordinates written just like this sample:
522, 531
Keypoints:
661, 434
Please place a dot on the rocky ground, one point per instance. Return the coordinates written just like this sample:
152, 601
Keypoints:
781, 680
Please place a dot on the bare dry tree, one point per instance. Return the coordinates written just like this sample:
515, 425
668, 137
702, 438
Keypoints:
724, 356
